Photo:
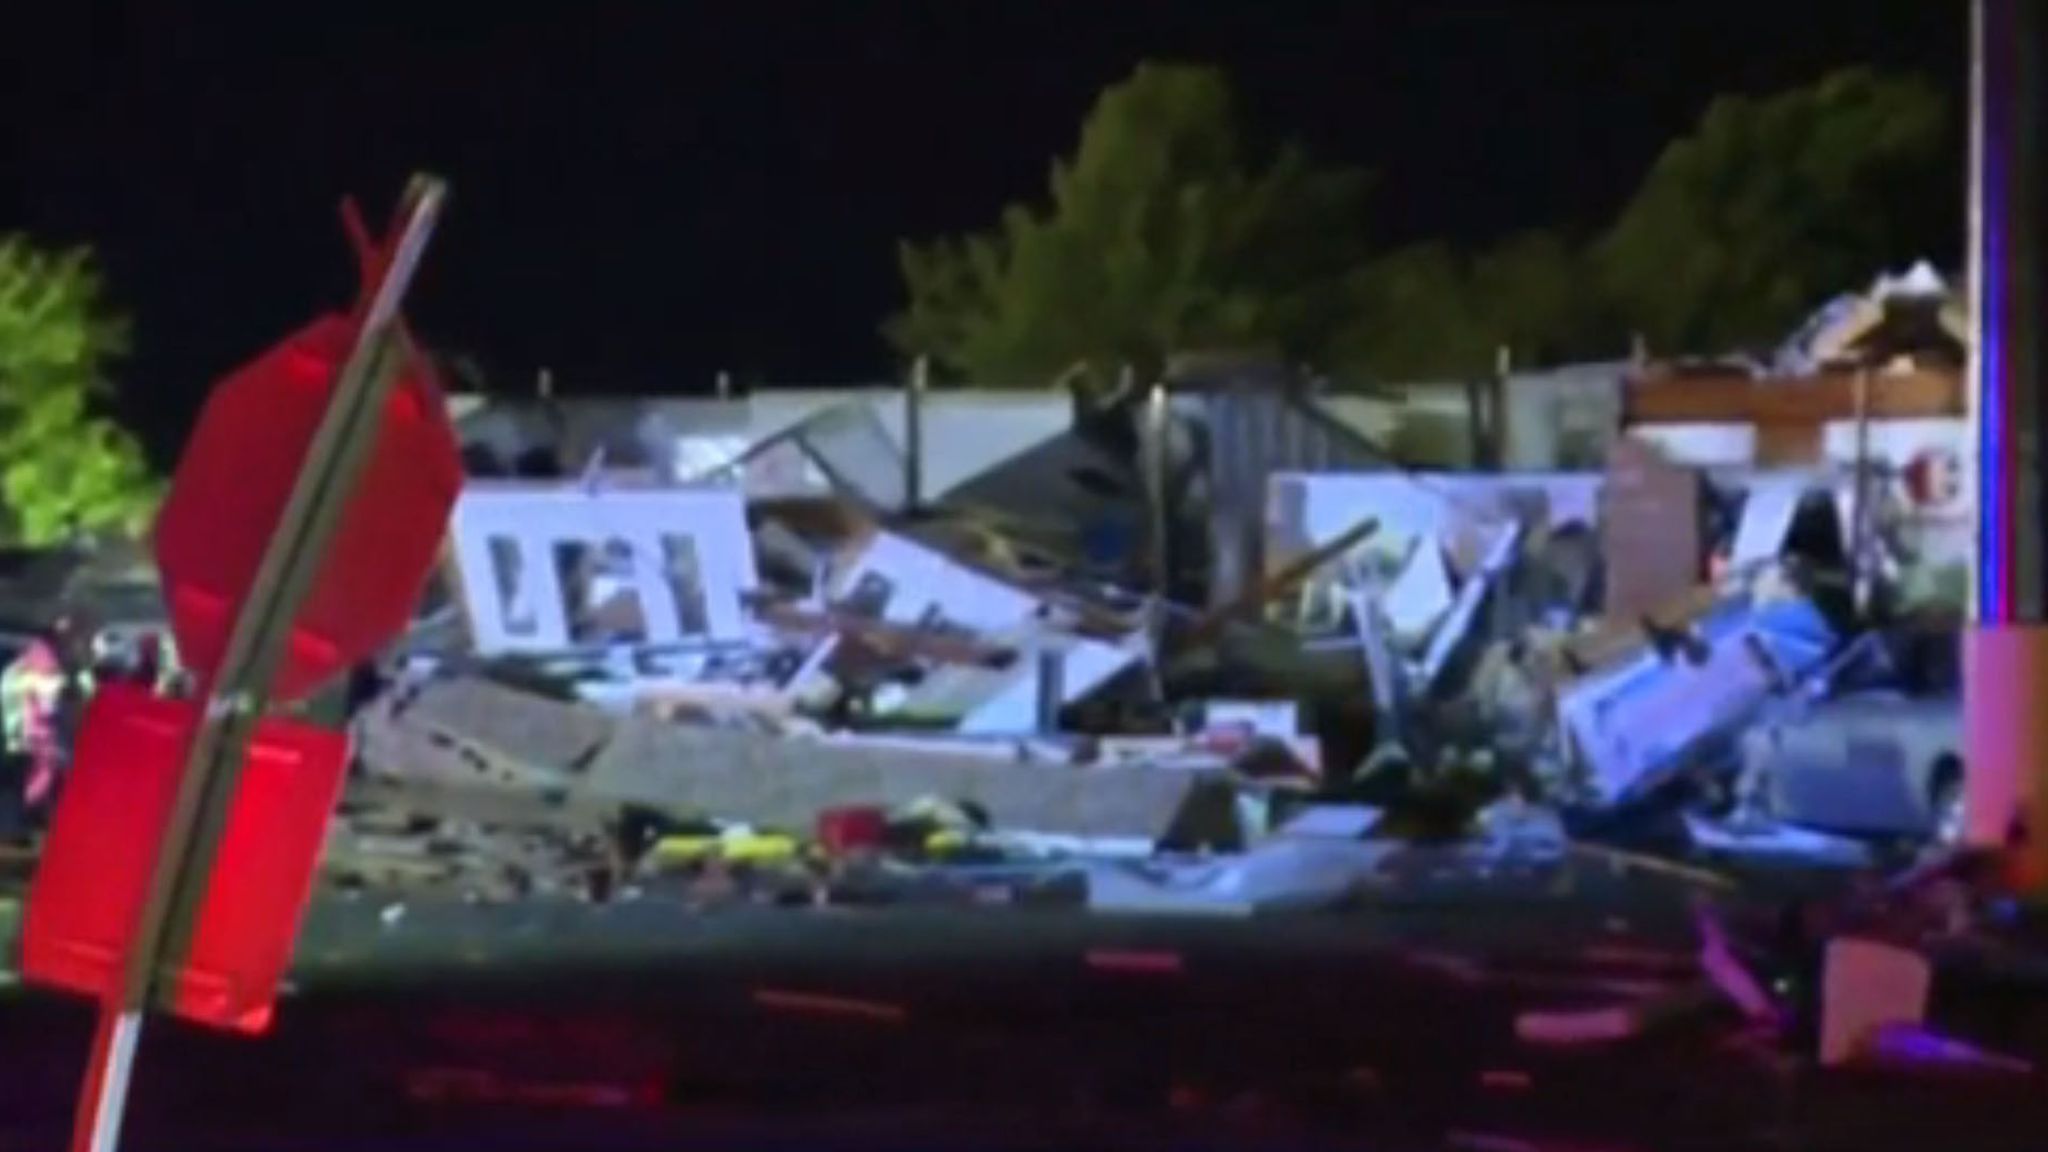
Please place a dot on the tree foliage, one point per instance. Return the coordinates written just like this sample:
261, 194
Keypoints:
1417, 318
63, 467
1162, 233
1432, 312
1535, 298
1774, 204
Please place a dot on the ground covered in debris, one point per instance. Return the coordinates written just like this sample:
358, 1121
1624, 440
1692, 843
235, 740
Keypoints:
1569, 1001
1656, 749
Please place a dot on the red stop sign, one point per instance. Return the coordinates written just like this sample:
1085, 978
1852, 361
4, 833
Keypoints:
237, 474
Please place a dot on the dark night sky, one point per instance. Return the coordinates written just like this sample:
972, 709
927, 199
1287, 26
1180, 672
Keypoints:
647, 192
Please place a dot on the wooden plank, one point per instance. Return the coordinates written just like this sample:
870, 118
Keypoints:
1735, 399
887, 638
1788, 444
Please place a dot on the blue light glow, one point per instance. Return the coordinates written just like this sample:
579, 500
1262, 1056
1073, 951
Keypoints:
1994, 458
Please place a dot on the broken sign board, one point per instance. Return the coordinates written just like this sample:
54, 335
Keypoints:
1633, 723
545, 568
901, 581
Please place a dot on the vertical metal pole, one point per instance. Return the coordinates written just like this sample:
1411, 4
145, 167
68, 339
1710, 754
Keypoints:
1052, 689
1862, 561
235, 700
1981, 476
1158, 467
1987, 788
2020, 237
2005, 362
913, 435
1484, 396
2006, 650
1475, 423
1497, 408
116, 1034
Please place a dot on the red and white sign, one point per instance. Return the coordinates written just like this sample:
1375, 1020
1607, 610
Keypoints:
1934, 478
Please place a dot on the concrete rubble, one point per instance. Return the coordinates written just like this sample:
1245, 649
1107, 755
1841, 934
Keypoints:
466, 735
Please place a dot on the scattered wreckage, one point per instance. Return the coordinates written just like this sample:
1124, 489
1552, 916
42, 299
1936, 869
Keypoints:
1205, 648
1418, 640
1196, 607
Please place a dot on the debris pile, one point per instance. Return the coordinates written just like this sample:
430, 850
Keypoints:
1685, 654
1183, 617
1203, 649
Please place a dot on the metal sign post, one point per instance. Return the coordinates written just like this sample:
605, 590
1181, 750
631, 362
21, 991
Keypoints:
238, 695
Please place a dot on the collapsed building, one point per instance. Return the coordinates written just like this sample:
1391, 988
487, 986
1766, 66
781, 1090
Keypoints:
1207, 648
1176, 619
1169, 618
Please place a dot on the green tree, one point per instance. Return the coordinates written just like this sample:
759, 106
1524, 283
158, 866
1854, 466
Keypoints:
1430, 312
1162, 234
1537, 298
63, 467
1415, 319
1773, 204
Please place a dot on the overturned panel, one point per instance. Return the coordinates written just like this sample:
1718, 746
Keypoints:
842, 448
903, 582
542, 568
1307, 510
1419, 516
466, 733
1636, 719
